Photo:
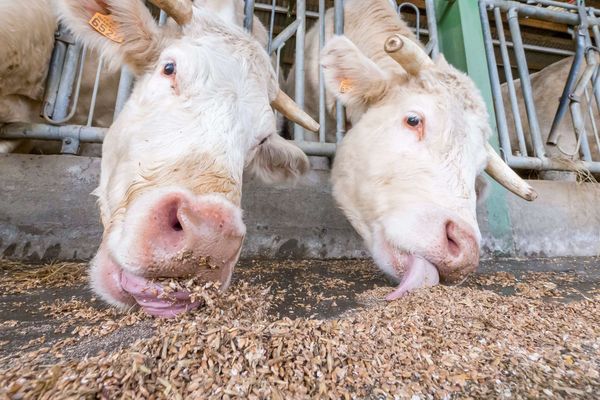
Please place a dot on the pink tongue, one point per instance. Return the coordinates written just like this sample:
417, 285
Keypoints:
419, 273
151, 297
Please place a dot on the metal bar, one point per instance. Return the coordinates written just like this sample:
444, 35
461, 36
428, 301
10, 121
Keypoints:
89, 134
590, 108
510, 84
536, 12
249, 15
278, 63
577, 115
311, 14
300, 36
494, 79
67, 81
271, 26
284, 35
339, 107
515, 32
532, 163
125, 82
561, 4
53, 80
539, 49
73, 96
282, 10
322, 98
595, 82
162, 18
50, 132
317, 148
95, 92
563, 103
432, 30
553, 4
417, 16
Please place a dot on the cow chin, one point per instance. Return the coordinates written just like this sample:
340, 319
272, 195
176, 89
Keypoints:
167, 233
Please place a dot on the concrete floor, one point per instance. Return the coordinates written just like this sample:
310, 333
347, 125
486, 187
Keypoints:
319, 289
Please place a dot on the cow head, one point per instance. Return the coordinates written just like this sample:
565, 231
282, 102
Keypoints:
405, 174
171, 178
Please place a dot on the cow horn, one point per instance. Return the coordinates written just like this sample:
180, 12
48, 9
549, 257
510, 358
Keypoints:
504, 175
285, 105
407, 53
179, 10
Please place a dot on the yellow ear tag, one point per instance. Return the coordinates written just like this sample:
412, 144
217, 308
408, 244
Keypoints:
105, 26
345, 85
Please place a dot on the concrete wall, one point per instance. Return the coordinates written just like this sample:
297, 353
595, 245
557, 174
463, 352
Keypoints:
47, 213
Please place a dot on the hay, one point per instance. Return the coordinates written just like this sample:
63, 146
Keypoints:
17, 277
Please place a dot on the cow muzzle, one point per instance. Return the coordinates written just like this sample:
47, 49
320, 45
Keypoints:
168, 234
451, 253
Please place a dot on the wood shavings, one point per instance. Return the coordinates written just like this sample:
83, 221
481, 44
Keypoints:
442, 342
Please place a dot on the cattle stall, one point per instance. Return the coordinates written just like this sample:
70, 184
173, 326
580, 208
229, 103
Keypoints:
533, 131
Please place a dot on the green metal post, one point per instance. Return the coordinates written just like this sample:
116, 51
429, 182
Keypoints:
461, 41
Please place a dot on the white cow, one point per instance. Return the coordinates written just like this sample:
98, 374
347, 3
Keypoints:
171, 172
405, 173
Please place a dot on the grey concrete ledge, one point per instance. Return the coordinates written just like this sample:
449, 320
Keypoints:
47, 213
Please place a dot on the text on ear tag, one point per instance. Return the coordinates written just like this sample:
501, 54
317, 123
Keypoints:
345, 85
105, 26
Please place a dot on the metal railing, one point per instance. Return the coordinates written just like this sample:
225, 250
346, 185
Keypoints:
322, 146
525, 145
64, 80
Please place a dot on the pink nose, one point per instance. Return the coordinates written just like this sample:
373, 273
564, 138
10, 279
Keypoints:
183, 232
460, 251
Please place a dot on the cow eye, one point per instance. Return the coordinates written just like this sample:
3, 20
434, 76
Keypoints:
413, 120
415, 123
169, 68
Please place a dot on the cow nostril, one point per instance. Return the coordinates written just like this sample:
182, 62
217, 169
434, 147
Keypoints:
174, 222
177, 226
452, 243
453, 247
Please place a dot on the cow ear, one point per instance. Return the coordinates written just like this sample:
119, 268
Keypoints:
122, 31
277, 160
350, 75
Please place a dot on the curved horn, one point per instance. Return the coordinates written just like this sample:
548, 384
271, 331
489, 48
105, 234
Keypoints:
179, 10
286, 106
504, 175
407, 53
